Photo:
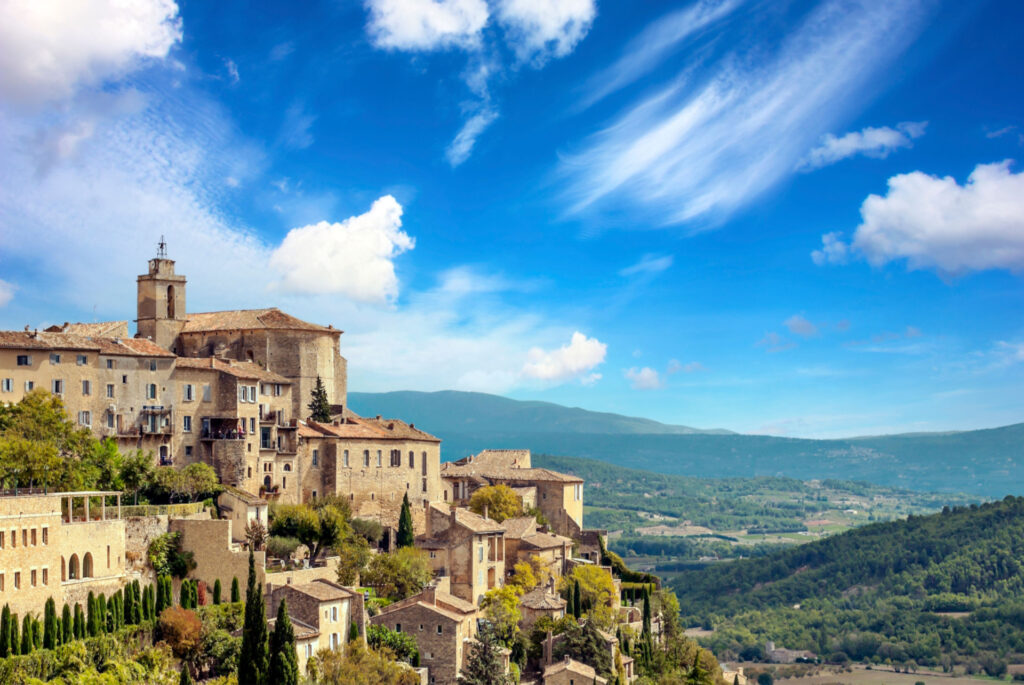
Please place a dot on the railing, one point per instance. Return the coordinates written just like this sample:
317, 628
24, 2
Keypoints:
186, 509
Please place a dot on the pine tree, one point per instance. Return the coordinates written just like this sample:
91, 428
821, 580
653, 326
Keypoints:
216, 591
67, 632
406, 535
50, 629
78, 628
319, 406
577, 602
5, 632
253, 659
15, 641
236, 595
284, 666
26, 635
186, 676
484, 666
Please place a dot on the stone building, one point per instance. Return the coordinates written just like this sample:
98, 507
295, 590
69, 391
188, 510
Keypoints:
442, 625
538, 603
466, 548
524, 541
321, 611
59, 545
571, 672
559, 496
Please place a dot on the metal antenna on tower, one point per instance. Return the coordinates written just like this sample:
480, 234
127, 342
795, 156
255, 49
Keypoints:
161, 249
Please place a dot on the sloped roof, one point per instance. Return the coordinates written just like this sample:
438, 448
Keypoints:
505, 473
322, 590
466, 519
446, 604
42, 340
250, 319
303, 631
539, 598
519, 526
105, 329
499, 458
544, 541
572, 666
247, 370
353, 426
131, 347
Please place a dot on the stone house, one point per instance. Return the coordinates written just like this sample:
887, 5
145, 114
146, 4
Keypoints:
442, 625
241, 507
325, 611
571, 672
524, 541
559, 496
537, 603
466, 548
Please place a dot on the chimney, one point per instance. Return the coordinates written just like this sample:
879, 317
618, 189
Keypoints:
485, 511
430, 594
548, 647
454, 509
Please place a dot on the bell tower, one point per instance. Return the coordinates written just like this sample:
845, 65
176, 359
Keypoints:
161, 305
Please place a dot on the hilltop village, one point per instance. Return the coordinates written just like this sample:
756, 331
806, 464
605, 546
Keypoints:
255, 402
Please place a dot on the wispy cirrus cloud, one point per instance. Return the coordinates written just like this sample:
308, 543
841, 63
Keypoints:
702, 147
870, 142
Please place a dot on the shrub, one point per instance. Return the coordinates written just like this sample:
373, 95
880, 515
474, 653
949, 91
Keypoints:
282, 547
181, 629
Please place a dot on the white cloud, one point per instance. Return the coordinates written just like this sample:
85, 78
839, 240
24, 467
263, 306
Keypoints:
675, 366
281, 50
295, 127
6, 292
538, 29
459, 149
232, 69
1011, 351
647, 50
773, 342
999, 133
52, 48
870, 142
570, 361
798, 325
708, 143
354, 258
649, 264
645, 378
426, 24
833, 250
936, 223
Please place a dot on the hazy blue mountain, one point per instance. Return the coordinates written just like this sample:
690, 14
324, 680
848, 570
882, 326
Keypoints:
982, 462
451, 411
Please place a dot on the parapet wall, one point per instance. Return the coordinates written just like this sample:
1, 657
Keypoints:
215, 556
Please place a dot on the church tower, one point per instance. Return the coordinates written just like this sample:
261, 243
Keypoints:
161, 306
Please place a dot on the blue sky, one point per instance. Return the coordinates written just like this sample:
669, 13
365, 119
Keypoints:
797, 218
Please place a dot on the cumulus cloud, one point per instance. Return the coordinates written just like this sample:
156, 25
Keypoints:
424, 25
6, 292
649, 264
936, 223
574, 360
833, 250
50, 49
644, 378
675, 366
717, 136
539, 29
870, 142
354, 258
798, 325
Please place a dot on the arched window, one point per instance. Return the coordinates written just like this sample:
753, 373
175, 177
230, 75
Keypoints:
170, 302
266, 481
73, 572
87, 565
287, 467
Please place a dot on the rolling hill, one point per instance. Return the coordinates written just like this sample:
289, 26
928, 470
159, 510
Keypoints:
988, 463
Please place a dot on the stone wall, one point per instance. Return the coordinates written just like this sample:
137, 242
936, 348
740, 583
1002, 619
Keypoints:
139, 532
215, 556
439, 638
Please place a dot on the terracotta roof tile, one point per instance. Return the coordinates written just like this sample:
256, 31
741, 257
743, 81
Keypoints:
353, 426
250, 319
544, 541
247, 370
519, 526
42, 340
540, 598
322, 590
502, 473
572, 666
105, 329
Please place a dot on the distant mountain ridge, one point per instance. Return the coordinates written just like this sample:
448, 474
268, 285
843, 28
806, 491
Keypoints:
453, 411
986, 462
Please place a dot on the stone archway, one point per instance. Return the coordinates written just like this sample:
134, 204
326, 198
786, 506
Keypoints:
87, 565
73, 570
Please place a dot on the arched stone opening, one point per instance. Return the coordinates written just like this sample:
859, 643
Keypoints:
73, 571
87, 565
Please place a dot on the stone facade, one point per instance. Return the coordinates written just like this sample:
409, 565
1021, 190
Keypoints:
466, 548
441, 624
326, 608
215, 556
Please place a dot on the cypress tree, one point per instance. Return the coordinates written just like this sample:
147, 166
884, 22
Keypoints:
577, 608
78, 627
15, 641
101, 611
37, 633
319, 405
26, 634
186, 676
93, 624
67, 633
252, 662
647, 613
51, 631
353, 631
148, 607
569, 610
161, 600
216, 591
137, 608
236, 595
5, 632
405, 535
185, 595
284, 662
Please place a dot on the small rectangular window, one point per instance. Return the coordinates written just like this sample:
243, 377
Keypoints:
124, 380
398, 627
110, 419
1, 539
366, 457
17, 580
110, 363
8, 385
46, 535
252, 425
316, 458
46, 576
29, 385
54, 358
188, 450
380, 458
186, 424
110, 390
424, 485
85, 418
57, 386
32, 576
152, 365
83, 359
86, 387
206, 393
24, 360
33, 536
439, 629
188, 392
151, 391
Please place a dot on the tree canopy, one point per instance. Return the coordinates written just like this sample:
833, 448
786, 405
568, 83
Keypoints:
500, 501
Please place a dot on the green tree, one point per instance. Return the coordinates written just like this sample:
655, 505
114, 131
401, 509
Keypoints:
284, 666
402, 645
186, 676
51, 634
577, 599
236, 595
27, 644
136, 472
79, 627
400, 574
5, 632
585, 643
101, 613
15, 643
406, 534
319, 405
500, 502
253, 661
485, 663
216, 591
353, 556
353, 631
67, 631
501, 608
93, 625
319, 526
